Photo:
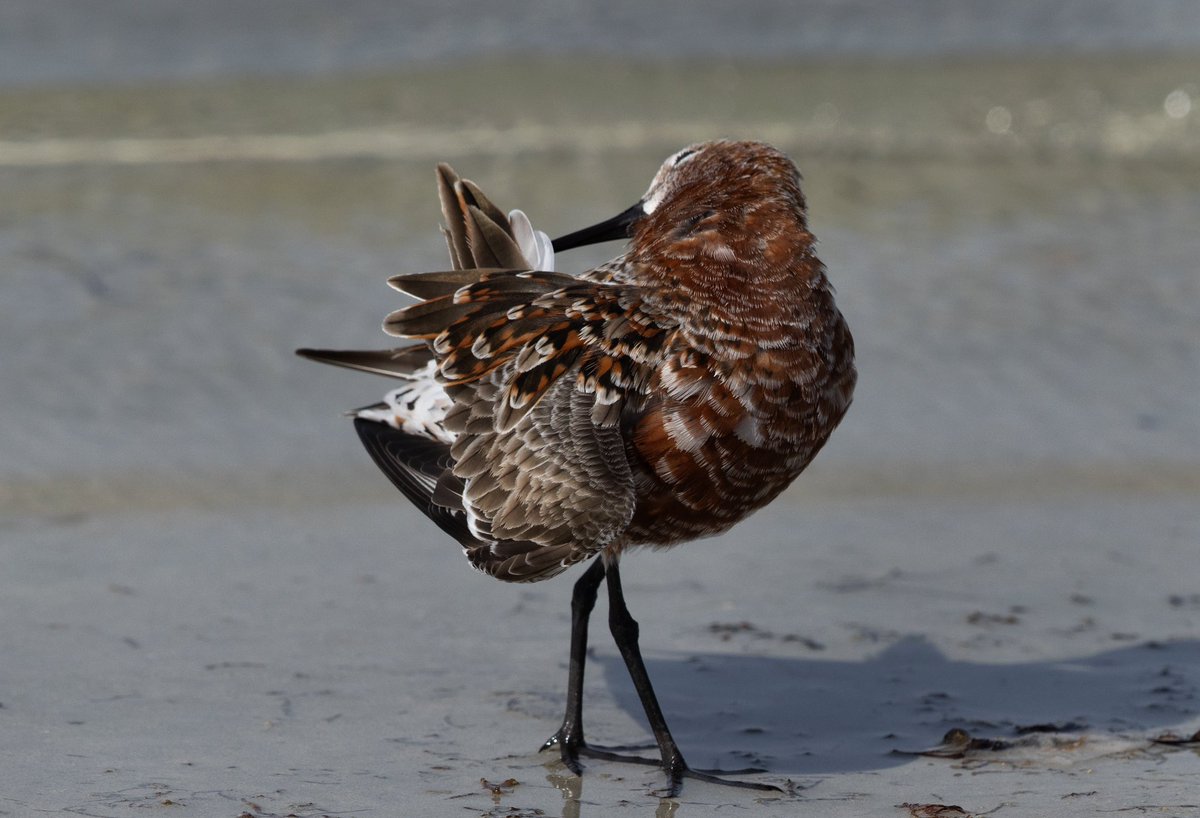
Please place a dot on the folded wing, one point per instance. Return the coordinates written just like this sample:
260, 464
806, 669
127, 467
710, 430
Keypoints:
522, 458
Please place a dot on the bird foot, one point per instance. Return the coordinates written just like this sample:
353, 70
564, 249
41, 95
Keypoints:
572, 746
675, 777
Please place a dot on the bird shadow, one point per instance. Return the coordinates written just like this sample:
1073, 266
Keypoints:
807, 716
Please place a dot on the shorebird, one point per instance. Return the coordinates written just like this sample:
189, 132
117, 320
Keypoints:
545, 419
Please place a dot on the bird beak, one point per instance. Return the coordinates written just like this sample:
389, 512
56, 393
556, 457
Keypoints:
619, 226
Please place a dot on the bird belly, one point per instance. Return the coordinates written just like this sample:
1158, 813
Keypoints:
706, 463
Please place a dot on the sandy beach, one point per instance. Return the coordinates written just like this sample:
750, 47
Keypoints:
214, 605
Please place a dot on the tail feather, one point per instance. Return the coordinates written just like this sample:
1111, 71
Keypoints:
456, 229
414, 463
478, 233
392, 363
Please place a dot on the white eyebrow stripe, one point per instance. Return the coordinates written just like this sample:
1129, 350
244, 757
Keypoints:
683, 156
651, 203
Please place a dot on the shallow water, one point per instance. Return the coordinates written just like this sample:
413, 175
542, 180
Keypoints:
211, 597
69, 41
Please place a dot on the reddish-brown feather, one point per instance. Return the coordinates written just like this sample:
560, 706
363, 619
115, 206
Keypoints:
663, 396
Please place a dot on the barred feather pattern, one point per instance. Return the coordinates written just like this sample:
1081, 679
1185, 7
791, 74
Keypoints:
540, 370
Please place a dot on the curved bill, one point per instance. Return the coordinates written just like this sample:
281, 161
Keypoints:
619, 226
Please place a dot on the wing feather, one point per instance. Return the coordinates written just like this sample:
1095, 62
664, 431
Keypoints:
524, 460
540, 374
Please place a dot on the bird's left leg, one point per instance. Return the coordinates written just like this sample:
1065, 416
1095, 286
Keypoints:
625, 633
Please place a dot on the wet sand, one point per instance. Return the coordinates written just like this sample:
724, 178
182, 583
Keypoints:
212, 602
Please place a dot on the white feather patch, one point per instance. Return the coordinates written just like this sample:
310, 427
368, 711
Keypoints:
418, 407
688, 435
535, 245
750, 430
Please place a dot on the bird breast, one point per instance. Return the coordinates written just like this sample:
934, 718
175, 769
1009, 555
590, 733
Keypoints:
730, 431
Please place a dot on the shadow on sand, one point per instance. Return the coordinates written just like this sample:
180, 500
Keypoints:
805, 716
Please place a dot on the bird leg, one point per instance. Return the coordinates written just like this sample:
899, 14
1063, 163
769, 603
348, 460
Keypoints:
569, 737
625, 633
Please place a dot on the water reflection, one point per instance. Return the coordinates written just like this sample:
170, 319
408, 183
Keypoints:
571, 787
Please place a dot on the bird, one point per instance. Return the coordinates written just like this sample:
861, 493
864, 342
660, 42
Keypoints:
543, 419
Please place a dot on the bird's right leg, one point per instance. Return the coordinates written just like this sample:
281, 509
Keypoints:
569, 737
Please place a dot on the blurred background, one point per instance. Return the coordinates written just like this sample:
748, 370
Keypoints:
1006, 193
1007, 196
